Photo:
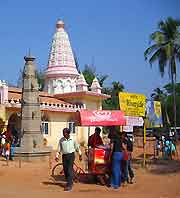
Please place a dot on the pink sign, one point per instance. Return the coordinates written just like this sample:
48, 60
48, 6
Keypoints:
102, 118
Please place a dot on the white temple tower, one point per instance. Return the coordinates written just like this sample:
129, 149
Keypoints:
81, 84
61, 74
95, 87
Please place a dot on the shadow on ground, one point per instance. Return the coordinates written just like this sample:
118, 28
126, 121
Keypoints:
157, 166
82, 178
160, 166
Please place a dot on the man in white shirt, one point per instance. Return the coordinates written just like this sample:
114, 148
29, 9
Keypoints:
67, 146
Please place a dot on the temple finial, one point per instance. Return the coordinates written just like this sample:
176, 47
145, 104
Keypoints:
60, 24
29, 52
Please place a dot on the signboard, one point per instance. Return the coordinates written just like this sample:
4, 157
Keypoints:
132, 104
134, 121
128, 128
154, 114
102, 118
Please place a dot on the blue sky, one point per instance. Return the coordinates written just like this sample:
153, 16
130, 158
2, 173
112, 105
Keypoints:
112, 34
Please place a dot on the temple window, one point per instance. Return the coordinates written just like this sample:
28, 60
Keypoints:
45, 128
71, 126
45, 124
68, 86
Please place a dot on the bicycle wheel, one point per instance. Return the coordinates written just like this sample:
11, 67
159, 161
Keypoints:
58, 171
78, 173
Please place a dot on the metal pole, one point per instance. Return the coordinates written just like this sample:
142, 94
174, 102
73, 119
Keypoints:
144, 145
88, 149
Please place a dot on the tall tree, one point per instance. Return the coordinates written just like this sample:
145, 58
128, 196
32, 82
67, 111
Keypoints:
89, 73
166, 50
113, 102
169, 101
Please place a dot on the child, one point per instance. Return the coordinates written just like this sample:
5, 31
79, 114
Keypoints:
173, 150
3, 145
7, 152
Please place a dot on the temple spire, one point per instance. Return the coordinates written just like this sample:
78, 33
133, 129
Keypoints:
61, 73
61, 59
95, 87
59, 24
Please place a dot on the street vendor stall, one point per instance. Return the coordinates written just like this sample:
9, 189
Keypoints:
98, 157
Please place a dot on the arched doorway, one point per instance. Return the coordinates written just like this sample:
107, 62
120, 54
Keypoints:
14, 123
2, 125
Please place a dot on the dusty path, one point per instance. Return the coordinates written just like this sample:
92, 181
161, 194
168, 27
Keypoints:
33, 180
161, 179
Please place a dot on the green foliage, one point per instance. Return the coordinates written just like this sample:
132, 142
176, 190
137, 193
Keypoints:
41, 79
165, 95
169, 101
169, 104
166, 51
166, 46
169, 89
113, 102
89, 73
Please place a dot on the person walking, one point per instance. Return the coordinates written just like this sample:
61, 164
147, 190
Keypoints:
117, 157
67, 146
128, 144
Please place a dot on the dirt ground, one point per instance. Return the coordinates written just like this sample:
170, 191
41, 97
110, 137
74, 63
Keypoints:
159, 179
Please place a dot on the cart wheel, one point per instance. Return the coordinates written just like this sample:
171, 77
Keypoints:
102, 179
57, 170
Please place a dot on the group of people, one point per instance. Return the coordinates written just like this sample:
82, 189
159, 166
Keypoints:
167, 146
120, 156
7, 144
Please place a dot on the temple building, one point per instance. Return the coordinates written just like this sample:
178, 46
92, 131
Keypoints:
65, 93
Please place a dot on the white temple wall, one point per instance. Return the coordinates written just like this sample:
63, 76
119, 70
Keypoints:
60, 85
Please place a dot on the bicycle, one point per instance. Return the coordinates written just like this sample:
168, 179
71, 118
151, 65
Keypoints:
58, 171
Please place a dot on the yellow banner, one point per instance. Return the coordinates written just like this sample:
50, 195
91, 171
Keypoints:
132, 104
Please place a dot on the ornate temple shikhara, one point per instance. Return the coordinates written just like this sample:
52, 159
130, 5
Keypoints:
65, 93
61, 74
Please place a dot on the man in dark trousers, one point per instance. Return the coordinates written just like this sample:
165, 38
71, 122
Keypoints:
67, 146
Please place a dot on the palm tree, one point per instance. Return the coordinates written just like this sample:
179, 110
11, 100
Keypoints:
113, 102
89, 73
166, 50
